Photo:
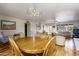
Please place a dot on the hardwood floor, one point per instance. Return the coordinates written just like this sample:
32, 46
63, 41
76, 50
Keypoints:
69, 47
66, 50
59, 51
5, 50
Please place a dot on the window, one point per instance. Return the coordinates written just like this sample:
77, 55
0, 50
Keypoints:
65, 27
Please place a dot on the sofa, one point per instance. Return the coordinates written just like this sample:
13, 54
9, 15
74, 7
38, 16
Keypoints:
3, 38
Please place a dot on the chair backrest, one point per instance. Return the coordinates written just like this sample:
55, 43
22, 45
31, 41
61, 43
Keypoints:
15, 48
50, 47
22, 35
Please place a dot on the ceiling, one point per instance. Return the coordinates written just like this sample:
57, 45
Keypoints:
47, 11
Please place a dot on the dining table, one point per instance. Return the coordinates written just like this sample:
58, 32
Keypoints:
32, 45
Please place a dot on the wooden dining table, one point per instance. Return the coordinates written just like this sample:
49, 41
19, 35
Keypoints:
28, 45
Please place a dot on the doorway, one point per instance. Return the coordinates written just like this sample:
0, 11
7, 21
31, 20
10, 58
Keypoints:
25, 29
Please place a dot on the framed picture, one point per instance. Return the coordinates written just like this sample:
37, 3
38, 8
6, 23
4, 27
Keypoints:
8, 25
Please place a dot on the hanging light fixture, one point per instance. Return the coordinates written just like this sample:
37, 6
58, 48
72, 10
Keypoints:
34, 11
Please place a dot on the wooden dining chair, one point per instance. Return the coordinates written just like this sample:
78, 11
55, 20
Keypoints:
50, 47
15, 48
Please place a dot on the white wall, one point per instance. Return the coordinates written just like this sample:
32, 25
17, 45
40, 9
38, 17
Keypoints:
33, 28
19, 25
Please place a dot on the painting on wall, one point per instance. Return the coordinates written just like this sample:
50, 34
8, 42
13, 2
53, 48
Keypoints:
8, 25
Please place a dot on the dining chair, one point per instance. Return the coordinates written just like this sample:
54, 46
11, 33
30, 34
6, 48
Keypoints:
14, 47
50, 47
22, 35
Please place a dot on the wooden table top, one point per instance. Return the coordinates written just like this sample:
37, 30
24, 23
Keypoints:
29, 46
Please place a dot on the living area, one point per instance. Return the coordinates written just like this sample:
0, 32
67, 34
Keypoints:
35, 33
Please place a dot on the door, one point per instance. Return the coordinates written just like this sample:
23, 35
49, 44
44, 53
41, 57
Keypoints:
25, 29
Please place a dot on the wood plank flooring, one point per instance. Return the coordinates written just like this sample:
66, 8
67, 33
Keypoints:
5, 50
59, 51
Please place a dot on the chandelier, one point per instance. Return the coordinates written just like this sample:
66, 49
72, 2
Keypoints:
33, 11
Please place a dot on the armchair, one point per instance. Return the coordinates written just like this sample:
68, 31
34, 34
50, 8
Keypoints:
3, 38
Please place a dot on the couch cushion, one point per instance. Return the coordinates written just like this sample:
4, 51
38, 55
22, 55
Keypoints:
1, 34
3, 39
